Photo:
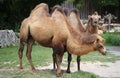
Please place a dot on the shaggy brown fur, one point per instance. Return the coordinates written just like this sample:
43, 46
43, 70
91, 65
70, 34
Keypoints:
55, 32
79, 27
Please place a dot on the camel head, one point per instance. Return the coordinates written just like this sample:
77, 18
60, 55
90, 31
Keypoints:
94, 19
98, 46
96, 41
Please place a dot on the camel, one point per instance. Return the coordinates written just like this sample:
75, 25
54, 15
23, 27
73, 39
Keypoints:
88, 37
92, 28
49, 32
77, 25
40, 10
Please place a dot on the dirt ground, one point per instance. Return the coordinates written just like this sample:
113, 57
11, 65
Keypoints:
103, 69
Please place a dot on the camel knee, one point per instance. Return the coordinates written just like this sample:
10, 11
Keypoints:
20, 51
28, 56
20, 54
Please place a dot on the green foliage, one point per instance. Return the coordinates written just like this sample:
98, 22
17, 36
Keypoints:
112, 38
12, 12
109, 2
71, 1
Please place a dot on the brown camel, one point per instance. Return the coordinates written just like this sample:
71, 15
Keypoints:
49, 32
35, 14
60, 25
77, 25
92, 28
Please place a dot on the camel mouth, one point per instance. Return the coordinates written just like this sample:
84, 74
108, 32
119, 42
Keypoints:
95, 24
104, 53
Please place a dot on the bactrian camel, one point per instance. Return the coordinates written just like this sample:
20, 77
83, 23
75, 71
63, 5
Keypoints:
49, 32
92, 28
77, 25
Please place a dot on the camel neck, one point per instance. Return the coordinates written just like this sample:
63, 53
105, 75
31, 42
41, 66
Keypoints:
77, 48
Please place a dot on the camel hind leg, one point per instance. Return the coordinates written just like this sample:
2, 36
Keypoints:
28, 52
69, 61
20, 53
78, 62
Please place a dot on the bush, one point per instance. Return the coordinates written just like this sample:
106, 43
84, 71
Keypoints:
112, 39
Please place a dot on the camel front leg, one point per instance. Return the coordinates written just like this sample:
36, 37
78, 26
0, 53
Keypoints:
28, 53
78, 62
59, 51
58, 63
20, 53
69, 60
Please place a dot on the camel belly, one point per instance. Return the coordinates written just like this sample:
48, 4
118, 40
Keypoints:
42, 35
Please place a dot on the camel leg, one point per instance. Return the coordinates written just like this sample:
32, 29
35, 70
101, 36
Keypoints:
78, 62
69, 60
20, 53
58, 62
53, 55
59, 51
28, 53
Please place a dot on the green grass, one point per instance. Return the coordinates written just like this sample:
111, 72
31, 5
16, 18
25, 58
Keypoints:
95, 57
42, 56
112, 39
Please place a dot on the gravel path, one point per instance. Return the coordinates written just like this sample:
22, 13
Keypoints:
114, 49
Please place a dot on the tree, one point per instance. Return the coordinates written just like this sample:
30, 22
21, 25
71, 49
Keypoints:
12, 12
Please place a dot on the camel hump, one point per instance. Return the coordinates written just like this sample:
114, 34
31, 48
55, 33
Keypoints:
59, 8
66, 11
75, 11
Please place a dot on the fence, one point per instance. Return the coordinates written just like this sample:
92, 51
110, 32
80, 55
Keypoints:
84, 11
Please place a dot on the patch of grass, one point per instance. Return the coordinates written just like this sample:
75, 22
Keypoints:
104, 65
95, 56
112, 39
9, 56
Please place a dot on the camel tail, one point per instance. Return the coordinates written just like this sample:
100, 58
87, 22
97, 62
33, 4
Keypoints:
29, 34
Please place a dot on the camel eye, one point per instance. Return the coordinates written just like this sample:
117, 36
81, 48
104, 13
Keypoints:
100, 46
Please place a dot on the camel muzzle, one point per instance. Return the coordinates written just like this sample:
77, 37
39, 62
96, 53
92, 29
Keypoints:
104, 53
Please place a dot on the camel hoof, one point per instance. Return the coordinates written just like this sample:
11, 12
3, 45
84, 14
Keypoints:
20, 67
58, 74
68, 71
34, 70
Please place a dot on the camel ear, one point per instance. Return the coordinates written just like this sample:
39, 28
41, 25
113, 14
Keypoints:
99, 17
89, 17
